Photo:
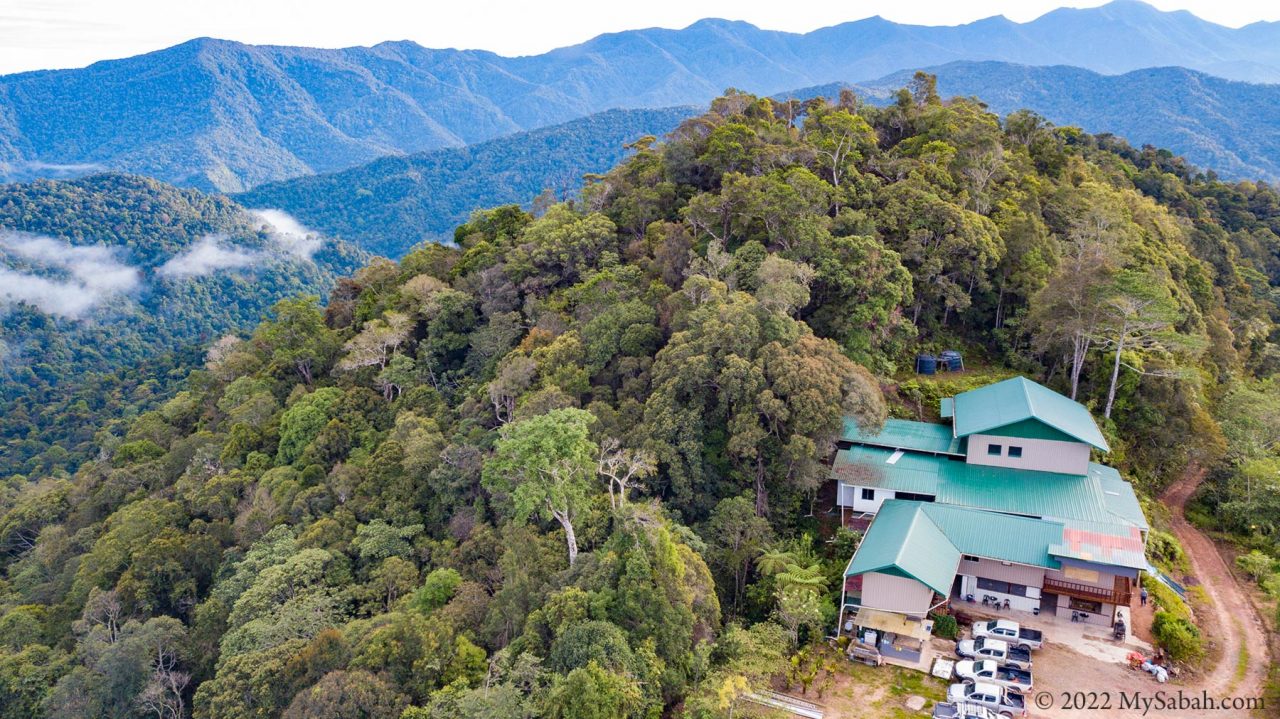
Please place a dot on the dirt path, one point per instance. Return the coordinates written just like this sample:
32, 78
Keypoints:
1233, 621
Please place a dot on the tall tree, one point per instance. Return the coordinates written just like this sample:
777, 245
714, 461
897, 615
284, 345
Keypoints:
545, 464
297, 338
1140, 316
1068, 311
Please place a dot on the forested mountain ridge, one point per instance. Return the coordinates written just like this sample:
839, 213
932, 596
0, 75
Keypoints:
393, 203
388, 205
216, 114
111, 287
562, 468
1232, 128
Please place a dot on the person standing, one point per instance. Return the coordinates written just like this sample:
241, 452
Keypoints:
1142, 596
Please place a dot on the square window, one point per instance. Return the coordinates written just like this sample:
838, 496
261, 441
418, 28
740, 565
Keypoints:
1015, 452
994, 450
868, 494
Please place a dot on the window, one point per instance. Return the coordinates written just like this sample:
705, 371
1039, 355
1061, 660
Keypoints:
1015, 452
969, 558
913, 497
1002, 587
868, 494
994, 450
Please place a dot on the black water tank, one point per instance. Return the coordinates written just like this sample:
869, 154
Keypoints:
926, 364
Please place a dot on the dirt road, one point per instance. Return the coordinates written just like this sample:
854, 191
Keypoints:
1232, 619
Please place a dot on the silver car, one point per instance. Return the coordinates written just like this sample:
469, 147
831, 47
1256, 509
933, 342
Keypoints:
1005, 702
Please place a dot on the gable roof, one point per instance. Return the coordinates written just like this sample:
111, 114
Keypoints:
1100, 495
924, 541
993, 535
1019, 399
903, 540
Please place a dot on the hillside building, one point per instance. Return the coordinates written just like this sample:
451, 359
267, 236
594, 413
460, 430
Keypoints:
1000, 502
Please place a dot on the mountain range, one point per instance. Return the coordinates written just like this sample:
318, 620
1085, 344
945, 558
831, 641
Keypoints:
222, 115
393, 203
1230, 127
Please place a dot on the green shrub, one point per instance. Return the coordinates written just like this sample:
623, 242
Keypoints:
137, 451
1257, 565
1179, 637
1164, 550
945, 626
1165, 598
436, 590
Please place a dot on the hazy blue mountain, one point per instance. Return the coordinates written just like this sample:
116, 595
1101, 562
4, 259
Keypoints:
219, 114
1230, 127
391, 204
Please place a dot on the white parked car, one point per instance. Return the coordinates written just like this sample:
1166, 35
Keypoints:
988, 670
1007, 630
961, 710
1001, 652
1005, 702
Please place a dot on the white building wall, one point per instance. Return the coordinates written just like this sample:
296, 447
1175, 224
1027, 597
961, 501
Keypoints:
992, 569
1030, 577
895, 594
1043, 455
851, 496
969, 586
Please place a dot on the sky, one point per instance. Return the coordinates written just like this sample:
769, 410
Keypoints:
42, 34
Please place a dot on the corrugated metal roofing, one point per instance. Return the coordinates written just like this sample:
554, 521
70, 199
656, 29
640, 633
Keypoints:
997, 536
905, 434
1099, 496
1118, 494
1105, 546
892, 623
903, 539
921, 540
1018, 399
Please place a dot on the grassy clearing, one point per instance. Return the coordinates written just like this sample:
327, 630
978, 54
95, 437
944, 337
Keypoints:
1242, 660
860, 690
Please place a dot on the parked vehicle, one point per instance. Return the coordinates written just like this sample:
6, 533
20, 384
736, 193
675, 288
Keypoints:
1001, 652
1007, 630
1005, 702
987, 670
961, 710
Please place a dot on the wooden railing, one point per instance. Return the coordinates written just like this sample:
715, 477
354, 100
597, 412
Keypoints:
1087, 591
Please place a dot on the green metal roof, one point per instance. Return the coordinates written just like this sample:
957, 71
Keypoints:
1099, 496
905, 434
1019, 399
1118, 494
996, 536
924, 541
904, 541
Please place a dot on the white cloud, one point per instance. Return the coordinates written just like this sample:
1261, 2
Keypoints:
206, 256
69, 299
289, 234
92, 274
